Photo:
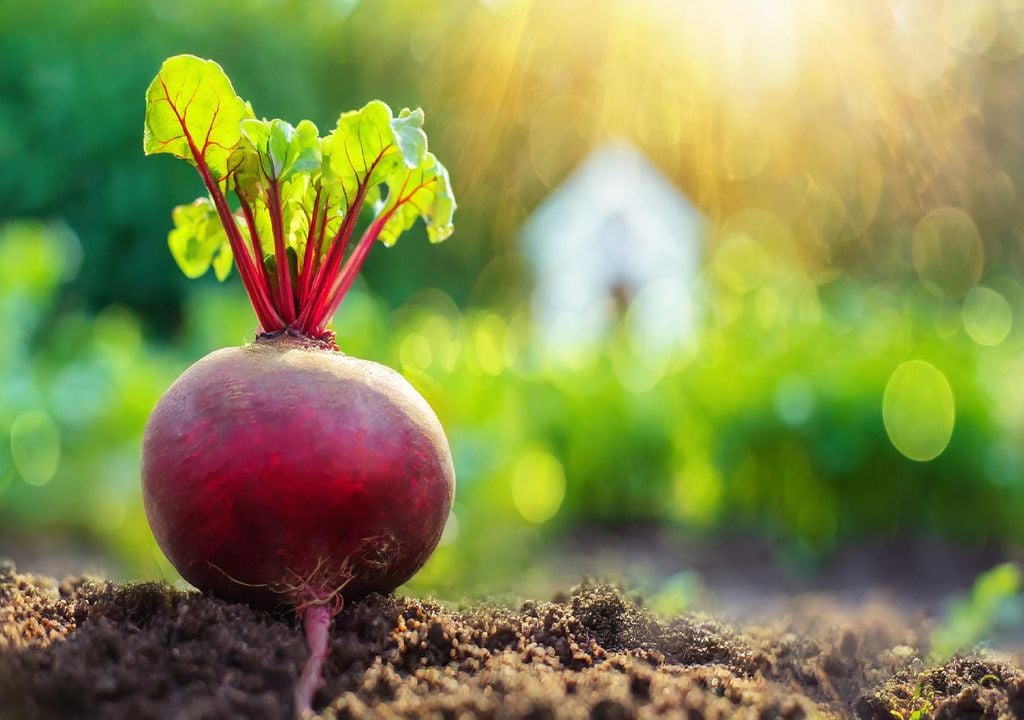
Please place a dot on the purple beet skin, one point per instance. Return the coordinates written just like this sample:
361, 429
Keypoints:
286, 476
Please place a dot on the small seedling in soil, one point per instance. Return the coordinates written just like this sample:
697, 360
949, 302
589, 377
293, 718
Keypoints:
286, 474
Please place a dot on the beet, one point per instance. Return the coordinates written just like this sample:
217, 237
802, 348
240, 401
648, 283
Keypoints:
279, 474
286, 474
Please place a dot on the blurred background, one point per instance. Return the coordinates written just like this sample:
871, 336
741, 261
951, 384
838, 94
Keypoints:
733, 307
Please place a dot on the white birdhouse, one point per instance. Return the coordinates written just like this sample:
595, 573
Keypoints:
616, 237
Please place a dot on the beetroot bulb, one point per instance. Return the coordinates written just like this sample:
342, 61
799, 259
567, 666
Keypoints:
286, 474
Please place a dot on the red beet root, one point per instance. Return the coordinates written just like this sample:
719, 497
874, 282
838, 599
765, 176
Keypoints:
286, 474
282, 476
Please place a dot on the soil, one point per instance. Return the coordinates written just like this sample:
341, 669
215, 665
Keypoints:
86, 648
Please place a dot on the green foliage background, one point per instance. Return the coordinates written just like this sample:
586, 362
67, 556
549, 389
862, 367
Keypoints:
769, 423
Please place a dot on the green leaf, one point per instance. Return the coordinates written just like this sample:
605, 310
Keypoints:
222, 261
192, 112
425, 192
304, 149
412, 141
369, 145
246, 175
276, 149
257, 138
282, 150
297, 198
198, 240
261, 216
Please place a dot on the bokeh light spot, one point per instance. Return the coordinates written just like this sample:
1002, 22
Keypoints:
415, 352
35, 447
538, 486
444, 348
117, 330
918, 410
970, 27
947, 252
948, 320
698, 492
740, 263
987, 316
794, 400
489, 344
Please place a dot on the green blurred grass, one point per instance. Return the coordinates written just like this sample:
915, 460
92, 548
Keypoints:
845, 202
775, 431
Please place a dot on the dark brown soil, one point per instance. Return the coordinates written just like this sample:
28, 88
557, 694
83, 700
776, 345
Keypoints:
91, 649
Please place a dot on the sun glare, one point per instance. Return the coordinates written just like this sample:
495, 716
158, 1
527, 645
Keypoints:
840, 119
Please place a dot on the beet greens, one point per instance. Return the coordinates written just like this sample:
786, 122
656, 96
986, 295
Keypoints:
284, 202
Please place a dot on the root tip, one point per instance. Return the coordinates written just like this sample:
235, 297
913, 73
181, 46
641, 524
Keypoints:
316, 620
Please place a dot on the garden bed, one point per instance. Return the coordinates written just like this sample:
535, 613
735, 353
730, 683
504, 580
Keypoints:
87, 648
